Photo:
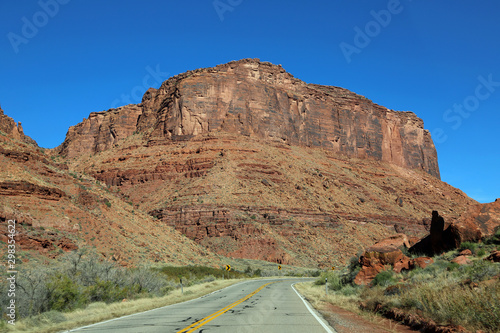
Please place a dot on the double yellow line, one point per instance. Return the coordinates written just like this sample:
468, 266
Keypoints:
191, 328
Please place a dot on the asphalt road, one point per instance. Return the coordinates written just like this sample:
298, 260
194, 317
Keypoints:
268, 306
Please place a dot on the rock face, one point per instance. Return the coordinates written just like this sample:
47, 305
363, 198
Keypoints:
261, 100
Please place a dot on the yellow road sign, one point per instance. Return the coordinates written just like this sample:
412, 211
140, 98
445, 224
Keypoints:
333, 268
279, 267
228, 267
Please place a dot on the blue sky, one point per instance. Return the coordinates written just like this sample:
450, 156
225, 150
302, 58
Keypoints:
62, 59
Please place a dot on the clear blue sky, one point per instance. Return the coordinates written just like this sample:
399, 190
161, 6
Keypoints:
439, 59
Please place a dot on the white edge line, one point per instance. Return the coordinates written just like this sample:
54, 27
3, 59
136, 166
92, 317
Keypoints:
138, 313
312, 311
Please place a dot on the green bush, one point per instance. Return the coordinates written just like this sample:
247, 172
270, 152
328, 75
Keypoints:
63, 293
334, 282
104, 291
481, 270
349, 290
468, 246
320, 281
384, 279
481, 252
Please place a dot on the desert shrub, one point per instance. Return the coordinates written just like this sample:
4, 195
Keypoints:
494, 239
63, 293
452, 266
335, 282
468, 246
384, 279
32, 290
145, 281
320, 281
315, 273
372, 298
450, 303
481, 270
104, 291
353, 268
198, 273
349, 290
480, 252
209, 278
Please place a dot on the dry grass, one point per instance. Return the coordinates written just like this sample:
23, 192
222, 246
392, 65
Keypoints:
98, 312
316, 296
476, 308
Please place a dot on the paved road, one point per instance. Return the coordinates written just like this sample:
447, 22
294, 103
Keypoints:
268, 306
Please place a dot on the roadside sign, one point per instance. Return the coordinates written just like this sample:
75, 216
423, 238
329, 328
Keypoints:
333, 268
228, 267
279, 267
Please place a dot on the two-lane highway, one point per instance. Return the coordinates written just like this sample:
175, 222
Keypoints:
252, 306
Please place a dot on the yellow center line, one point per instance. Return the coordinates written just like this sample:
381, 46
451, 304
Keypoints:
191, 328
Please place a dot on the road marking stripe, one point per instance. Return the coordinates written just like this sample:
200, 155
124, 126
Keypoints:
312, 311
191, 328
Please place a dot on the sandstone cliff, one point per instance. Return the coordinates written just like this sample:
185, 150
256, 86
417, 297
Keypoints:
261, 100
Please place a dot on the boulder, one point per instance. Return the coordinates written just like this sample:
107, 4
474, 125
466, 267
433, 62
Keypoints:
461, 260
466, 252
382, 255
421, 262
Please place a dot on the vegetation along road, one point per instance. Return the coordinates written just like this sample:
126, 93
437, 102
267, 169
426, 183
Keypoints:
252, 306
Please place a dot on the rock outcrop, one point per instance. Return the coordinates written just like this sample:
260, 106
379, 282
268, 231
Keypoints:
12, 129
261, 100
387, 254
478, 222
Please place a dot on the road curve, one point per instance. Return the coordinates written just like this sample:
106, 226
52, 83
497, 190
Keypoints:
269, 306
